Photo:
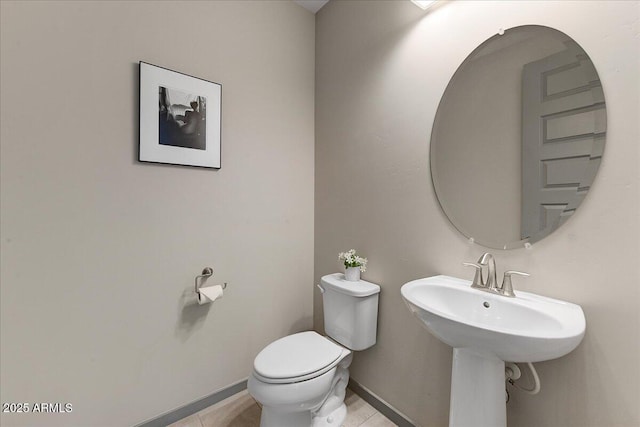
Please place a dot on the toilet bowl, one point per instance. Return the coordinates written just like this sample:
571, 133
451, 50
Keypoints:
300, 380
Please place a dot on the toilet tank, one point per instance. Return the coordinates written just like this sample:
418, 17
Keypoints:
350, 311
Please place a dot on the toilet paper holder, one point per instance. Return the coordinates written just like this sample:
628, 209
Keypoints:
206, 272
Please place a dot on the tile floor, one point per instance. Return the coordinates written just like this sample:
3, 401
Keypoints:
240, 410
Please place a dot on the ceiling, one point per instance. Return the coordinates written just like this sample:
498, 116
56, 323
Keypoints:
312, 5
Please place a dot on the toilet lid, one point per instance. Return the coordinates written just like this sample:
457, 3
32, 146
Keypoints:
296, 355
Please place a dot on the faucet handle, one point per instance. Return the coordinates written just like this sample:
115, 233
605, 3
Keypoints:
477, 279
507, 288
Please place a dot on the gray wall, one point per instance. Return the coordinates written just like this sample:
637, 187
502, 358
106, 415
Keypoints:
99, 252
381, 68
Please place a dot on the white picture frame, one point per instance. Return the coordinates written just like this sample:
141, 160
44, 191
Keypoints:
180, 118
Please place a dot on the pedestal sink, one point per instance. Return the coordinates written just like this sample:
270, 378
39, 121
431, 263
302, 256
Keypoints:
486, 330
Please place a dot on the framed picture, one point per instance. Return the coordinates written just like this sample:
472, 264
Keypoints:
180, 118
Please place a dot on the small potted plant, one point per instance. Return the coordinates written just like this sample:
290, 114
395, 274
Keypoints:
353, 265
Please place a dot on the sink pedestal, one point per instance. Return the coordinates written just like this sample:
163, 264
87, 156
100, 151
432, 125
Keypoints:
477, 390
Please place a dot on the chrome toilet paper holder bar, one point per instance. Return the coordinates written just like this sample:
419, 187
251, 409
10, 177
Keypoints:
206, 272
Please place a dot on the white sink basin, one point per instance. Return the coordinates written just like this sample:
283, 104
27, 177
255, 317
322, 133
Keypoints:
527, 328
486, 330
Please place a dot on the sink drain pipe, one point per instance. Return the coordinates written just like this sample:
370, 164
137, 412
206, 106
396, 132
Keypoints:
512, 373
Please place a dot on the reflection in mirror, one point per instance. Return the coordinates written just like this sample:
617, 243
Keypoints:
518, 137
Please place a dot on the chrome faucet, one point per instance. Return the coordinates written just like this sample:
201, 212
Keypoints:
488, 260
491, 284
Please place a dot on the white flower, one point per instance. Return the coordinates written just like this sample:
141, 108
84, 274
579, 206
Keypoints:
350, 259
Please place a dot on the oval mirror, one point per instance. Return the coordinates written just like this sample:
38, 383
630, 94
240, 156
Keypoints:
518, 137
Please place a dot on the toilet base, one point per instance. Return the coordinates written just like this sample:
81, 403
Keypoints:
271, 418
334, 419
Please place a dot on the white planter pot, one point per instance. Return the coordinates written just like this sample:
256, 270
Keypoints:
352, 274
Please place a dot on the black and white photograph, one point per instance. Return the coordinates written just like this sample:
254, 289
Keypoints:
180, 118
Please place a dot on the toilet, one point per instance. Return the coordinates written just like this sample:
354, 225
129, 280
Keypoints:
300, 380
